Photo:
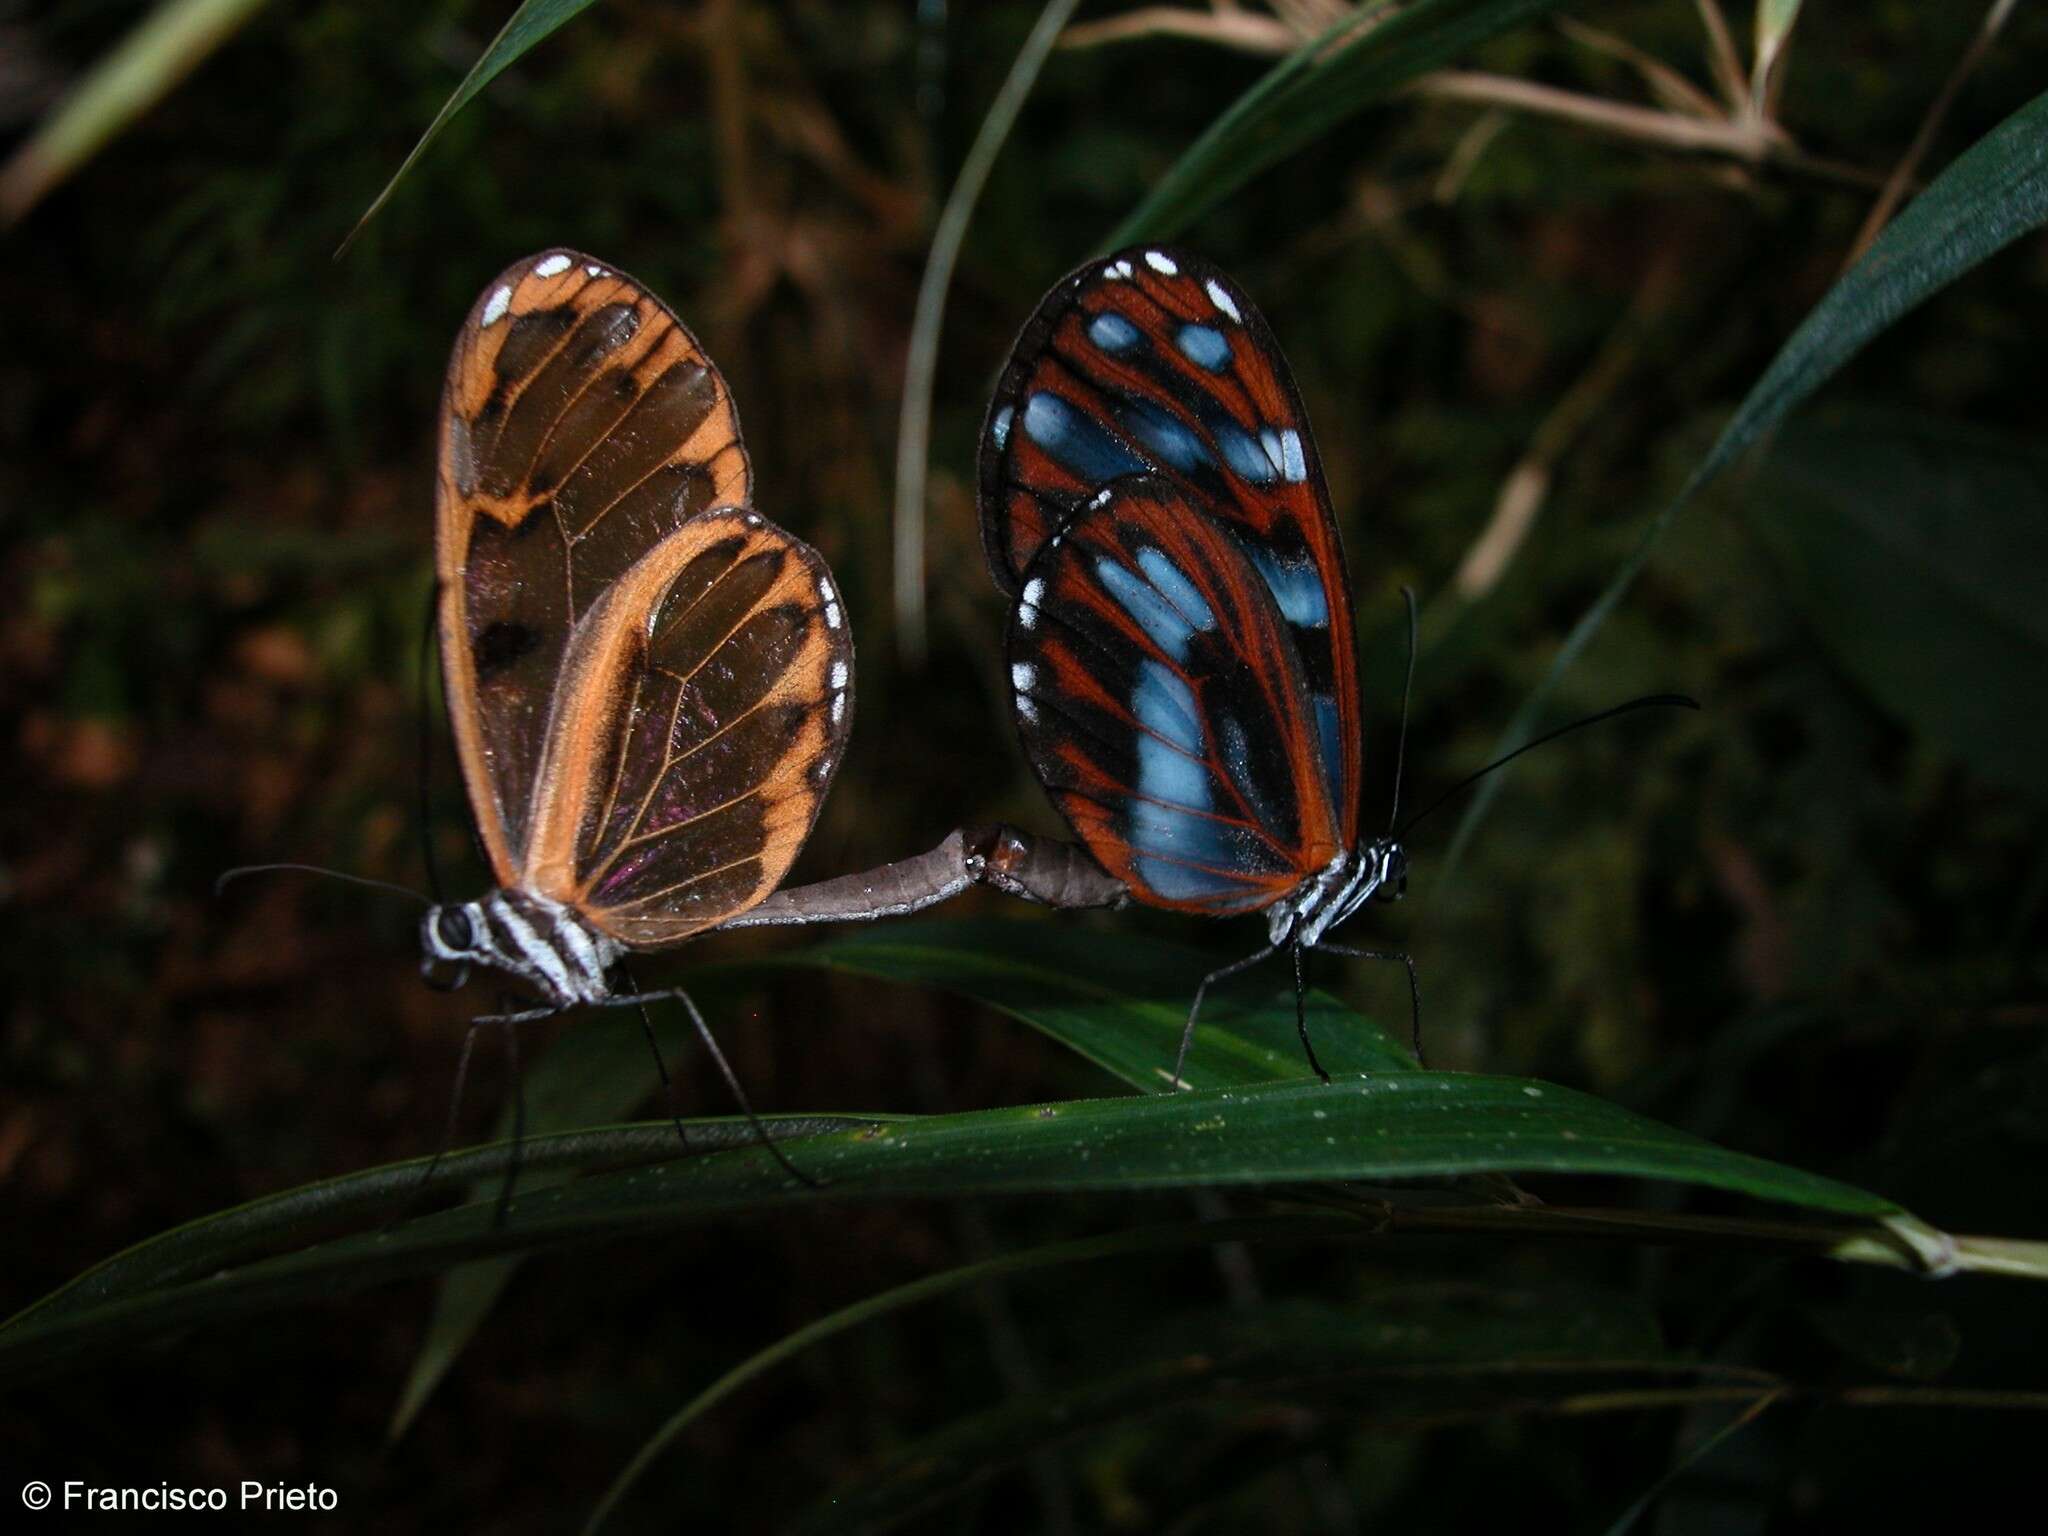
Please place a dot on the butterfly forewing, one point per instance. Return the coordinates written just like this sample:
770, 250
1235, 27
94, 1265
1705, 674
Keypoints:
1153, 362
1163, 703
703, 706
581, 425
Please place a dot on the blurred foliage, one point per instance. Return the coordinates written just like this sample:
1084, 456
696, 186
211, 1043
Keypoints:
1807, 924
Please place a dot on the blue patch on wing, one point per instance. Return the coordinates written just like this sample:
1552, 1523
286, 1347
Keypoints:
1178, 590
999, 428
1297, 587
1333, 748
1078, 442
1242, 452
1165, 625
1177, 882
1165, 705
1165, 435
1204, 346
1113, 333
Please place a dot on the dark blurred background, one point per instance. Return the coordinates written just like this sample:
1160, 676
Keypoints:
1806, 923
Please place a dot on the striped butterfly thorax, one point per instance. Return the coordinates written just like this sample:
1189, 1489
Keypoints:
1180, 642
650, 684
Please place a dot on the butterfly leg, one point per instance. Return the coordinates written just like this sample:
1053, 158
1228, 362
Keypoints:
462, 1060
1187, 1035
512, 1165
1414, 988
1301, 1012
732, 1081
668, 1084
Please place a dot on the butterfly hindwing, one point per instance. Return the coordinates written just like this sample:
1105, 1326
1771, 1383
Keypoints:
581, 424
1161, 698
703, 706
1153, 362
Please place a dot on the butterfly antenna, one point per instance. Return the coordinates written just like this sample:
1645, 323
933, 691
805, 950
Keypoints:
425, 807
1407, 692
240, 870
1647, 701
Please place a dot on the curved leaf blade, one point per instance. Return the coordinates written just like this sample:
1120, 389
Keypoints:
529, 25
137, 73
1994, 192
1363, 59
1387, 1126
1121, 1001
1917, 551
1419, 1353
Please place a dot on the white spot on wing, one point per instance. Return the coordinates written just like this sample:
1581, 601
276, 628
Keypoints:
838, 707
1160, 262
1027, 607
1220, 297
999, 427
831, 615
1022, 675
501, 301
552, 266
838, 674
594, 270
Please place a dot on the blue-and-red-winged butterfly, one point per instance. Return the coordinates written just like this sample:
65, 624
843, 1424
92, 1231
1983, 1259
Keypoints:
1180, 643
1180, 647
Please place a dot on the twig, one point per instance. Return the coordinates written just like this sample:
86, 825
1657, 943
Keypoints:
913, 435
1751, 143
1527, 486
1722, 56
1665, 83
1246, 31
1895, 188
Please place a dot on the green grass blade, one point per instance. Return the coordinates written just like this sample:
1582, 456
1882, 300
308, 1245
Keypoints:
1363, 59
531, 24
1147, 1239
134, 76
1388, 1126
1917, 552
1122, 1001
1995, 192
1407, 1354
595, 1076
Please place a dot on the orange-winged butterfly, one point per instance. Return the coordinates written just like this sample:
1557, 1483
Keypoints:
650, 684
1180, 643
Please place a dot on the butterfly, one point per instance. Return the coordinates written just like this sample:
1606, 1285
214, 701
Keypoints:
650, 684
1180, 642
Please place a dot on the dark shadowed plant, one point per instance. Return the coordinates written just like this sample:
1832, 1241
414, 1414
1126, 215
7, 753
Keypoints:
1717, 1203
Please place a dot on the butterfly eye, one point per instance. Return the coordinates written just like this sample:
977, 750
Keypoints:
452, 926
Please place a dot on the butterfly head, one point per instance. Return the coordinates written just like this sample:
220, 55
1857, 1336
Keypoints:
1392, 884
450, 936
540, 942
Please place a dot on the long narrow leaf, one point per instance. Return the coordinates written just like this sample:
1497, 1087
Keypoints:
1386, 1126
1121, 1001
1363, 59
1145, 1239
139, 72
530, 24
1994, 193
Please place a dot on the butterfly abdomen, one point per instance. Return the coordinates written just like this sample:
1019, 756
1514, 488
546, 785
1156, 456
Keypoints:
541, 942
